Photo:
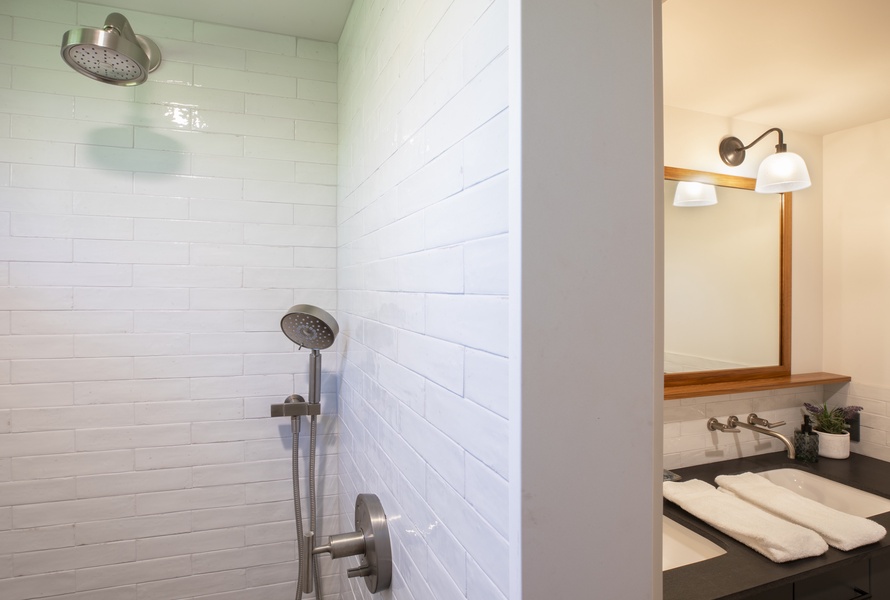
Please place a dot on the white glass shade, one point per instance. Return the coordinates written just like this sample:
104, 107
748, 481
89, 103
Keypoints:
782, 172
692, 193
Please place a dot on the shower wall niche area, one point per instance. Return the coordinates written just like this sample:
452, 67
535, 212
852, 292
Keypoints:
150, 238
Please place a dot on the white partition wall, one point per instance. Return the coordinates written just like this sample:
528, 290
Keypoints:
586, 296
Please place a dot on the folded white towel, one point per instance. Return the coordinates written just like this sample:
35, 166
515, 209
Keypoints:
775, 538
842, 530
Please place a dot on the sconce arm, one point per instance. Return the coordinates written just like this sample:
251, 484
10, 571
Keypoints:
732, 151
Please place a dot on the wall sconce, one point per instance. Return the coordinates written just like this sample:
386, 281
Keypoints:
693, 193
780, 172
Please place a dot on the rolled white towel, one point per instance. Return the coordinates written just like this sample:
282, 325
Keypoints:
841, 530
775, 538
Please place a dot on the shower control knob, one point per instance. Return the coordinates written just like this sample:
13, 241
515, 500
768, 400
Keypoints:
362, 570
370, 540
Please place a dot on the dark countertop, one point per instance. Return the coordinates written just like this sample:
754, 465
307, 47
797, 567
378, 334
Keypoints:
742, 572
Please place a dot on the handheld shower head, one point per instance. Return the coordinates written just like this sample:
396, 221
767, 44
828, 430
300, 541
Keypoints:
114, 54
309, 327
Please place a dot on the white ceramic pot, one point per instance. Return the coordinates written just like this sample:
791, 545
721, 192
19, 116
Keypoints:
834, 445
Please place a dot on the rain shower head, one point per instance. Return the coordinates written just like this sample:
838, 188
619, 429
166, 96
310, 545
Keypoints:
114, 54
309, 327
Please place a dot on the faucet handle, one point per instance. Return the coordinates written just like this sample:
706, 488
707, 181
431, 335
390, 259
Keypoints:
370, 540
753, 419
715, 425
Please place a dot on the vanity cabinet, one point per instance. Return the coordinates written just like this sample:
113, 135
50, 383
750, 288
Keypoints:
844, 583
880, 576
785, 592
851, 582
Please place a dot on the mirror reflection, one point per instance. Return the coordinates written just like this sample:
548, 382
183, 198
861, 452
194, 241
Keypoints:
727, 284
722, 281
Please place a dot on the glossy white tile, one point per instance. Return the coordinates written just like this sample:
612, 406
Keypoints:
186, 276
31, 103
242, 167
475, 321
323, 91
294, 150
36, 346
135, 159
291, 193
38, 80
235, 37
296, 235
187, 366
67, 130
130, 205
239, 255
189, 141
187, 231
104, 112
76, 179
159, 187
307, 110
305, 68
70, 321
133, 252
245, 81
36, 249
71, 227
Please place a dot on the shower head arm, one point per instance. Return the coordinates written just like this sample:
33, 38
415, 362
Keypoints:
119, 24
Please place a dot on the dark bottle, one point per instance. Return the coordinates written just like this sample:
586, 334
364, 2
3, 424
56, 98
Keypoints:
806, 442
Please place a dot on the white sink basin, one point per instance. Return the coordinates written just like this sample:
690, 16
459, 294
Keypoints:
681, 547
830, 493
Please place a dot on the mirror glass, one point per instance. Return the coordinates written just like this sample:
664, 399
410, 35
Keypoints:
724, 286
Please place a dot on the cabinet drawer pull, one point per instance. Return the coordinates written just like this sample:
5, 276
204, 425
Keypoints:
862, 595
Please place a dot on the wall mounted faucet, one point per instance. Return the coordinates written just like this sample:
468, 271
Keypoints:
715, 425
754, 423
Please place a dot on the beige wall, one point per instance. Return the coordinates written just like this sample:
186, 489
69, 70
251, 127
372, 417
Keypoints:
691, 140
857, 254
857, 286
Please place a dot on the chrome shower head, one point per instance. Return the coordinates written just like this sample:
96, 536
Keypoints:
113, 54
309, 327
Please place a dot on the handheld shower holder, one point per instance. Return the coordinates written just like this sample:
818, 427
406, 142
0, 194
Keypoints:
295, 406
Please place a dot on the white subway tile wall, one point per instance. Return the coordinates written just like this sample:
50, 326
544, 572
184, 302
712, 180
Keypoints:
422, 282
150, 240
874, 439
688, 442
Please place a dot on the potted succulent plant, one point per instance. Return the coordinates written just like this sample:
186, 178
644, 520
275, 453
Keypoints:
831, 425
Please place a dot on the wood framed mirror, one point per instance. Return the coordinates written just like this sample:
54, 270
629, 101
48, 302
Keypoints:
727, 283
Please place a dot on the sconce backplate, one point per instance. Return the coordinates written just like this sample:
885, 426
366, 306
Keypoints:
732, 151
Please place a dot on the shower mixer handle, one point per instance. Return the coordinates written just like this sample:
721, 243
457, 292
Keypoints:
370, 540
363, 570
343, 545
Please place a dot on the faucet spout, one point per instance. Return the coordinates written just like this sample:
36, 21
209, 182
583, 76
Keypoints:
733, 421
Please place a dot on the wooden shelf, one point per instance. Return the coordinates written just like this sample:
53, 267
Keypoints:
752, 385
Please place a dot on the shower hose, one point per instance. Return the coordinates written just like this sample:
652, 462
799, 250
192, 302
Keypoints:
298, 512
